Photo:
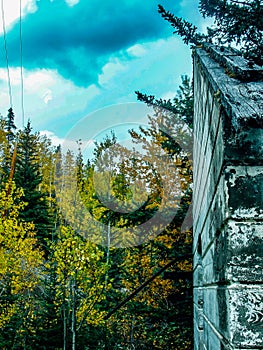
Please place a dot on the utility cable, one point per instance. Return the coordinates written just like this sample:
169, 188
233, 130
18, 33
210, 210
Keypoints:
145, 284
21, 66
6, 54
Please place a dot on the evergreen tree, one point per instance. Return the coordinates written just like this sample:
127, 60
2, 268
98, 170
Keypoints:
182, 104
27, 176
116, 199
58, 162
8, 147
3, 153
235, 21
167, 129
10, 126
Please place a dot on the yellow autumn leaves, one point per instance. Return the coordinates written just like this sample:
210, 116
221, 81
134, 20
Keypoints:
20, 260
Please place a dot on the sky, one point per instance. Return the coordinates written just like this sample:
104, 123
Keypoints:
83, 60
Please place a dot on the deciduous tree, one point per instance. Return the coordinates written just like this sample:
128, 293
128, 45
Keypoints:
21, 272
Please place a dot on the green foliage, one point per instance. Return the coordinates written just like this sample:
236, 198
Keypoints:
182, 104
28, 177
79, 270
235, 21
185, 29
78, 282
10, 126
20, 272
58, 296
7, 142
143, 322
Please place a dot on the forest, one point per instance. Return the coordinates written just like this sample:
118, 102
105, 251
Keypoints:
74, 274
65, 267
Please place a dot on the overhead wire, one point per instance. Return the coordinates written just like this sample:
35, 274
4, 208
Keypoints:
6, 55
21, 64
12, 169
145, 284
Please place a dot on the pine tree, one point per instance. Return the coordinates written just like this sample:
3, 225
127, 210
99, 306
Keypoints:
8, 147
182, 104
58, 162
235, 21
27, 176
167, 131
118, 200
3, 153
10, 126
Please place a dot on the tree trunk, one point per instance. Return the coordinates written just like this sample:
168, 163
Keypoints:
73, 315
132, 334
108, 250
64, 328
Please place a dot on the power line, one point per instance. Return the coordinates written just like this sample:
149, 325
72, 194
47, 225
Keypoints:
6, 54
21, 65
145, 284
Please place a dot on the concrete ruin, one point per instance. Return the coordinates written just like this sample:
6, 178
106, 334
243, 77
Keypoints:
228, 200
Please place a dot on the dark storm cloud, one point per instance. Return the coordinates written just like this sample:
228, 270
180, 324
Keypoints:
78, 40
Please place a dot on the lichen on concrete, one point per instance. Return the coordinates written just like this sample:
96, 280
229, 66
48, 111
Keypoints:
228, 201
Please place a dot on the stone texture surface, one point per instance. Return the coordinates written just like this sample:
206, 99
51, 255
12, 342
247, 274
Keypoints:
228, 201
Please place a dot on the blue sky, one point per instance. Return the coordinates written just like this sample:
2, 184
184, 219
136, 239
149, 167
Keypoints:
81, 57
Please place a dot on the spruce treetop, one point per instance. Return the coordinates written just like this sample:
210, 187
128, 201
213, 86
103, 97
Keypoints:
238, 22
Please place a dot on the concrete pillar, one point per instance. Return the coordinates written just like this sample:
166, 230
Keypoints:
228, 201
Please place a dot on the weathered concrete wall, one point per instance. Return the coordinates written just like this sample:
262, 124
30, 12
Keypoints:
228, 201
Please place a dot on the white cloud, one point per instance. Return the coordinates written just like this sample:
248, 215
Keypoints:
39, 79
12, 11
49, 99
56, 104
56, 141
207, 22
153, 67
110, 70
72, 2
169, 95
136, 50
158, 71
86, 146
14, 73
4, 98
47, 96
